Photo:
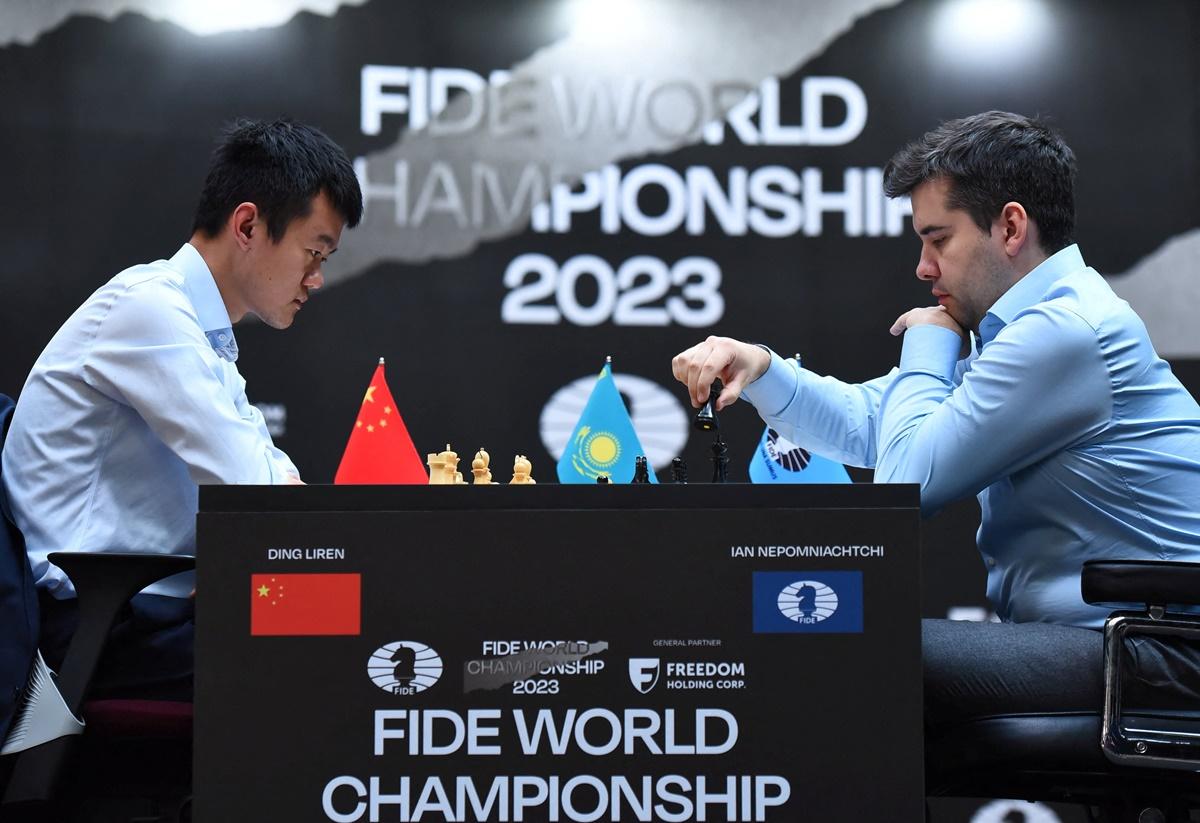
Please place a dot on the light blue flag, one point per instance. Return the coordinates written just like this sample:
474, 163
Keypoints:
603, 441
778, 460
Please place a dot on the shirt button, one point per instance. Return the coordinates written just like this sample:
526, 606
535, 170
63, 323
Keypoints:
223, 338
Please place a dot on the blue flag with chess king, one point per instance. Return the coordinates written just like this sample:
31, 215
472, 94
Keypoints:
778, 460
603, 441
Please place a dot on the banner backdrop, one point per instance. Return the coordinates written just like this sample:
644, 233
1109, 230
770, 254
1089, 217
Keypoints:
552, 181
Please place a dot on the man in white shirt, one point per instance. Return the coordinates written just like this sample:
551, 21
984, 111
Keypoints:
137, 399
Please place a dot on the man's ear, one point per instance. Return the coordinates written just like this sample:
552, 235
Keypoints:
244, 224
1014, 226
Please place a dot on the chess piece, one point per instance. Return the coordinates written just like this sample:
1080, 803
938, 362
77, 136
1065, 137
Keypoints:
437, 469
448, 460
706, 418
479, 468
641, 470
678, 470
720, 460
602, 479
521, 472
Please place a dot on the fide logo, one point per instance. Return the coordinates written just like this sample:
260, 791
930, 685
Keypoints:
786, 453
643, 673
807, 601
404, 667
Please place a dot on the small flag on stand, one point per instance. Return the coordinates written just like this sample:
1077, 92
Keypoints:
603, 441
778, 460
379, 449
305, 604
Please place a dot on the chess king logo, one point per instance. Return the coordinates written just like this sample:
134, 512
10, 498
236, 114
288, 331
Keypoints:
643, 673
405, 667
807, 601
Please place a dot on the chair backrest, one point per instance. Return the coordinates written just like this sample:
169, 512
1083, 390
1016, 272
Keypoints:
18, 601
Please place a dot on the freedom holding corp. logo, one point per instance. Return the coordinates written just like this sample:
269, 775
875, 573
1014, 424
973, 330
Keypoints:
804, 602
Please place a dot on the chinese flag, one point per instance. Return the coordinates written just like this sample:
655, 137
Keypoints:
305, 604
379, 449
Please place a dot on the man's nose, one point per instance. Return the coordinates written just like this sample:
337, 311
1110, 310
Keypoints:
926, 268
315, 280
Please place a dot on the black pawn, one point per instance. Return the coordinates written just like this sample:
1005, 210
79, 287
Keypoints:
602, 478
641, 470
678, 470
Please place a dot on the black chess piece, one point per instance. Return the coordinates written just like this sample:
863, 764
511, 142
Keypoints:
641, 470
720, 460
602, 478
678, 470
706, 418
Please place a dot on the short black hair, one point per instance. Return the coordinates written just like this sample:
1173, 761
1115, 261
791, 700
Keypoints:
280, 167
991, 159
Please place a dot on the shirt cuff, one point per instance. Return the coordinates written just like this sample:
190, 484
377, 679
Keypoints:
931, 349
774, 389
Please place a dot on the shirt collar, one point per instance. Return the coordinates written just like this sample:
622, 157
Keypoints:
202, 291
1029, 290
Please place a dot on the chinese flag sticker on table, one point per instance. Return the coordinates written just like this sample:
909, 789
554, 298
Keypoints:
305, 604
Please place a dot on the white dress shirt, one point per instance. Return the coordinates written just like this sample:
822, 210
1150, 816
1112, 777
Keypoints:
135, 401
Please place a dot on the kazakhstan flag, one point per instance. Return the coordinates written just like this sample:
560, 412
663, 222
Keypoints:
603, 441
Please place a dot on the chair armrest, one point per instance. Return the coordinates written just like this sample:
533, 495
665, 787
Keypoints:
104, 582
1154, 582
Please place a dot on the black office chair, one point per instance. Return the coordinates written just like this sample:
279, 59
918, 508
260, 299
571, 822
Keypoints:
1124, 763
133, 755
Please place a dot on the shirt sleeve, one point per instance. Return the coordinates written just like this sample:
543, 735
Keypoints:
826, 416
1038, 387
150, 354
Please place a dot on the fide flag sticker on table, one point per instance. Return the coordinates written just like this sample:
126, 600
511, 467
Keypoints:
808, 602
305, 604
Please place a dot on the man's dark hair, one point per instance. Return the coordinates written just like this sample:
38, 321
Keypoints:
279, 167
991, 159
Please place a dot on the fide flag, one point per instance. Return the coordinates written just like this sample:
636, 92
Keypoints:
778, 460
603, 441
305, 604
379, 449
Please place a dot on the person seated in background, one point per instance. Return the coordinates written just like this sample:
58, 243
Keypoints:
1031, 385
137, 399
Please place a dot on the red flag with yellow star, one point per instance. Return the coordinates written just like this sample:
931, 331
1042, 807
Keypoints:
305, 604
379, 449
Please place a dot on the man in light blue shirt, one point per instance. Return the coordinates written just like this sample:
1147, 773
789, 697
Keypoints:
1030, 384
137, 399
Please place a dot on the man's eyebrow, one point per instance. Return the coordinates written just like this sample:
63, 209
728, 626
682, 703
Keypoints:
930, 230
328, 241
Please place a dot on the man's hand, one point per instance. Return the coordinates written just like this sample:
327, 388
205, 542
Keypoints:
293, 480
738, 365
932, 316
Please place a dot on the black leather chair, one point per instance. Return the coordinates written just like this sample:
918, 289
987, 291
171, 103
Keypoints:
1122, 762
132, 760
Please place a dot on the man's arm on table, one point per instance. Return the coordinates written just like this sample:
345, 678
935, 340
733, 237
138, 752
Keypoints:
150, 355
1038, 387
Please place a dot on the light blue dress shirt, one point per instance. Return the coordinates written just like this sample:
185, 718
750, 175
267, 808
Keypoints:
135, 401
1078, 440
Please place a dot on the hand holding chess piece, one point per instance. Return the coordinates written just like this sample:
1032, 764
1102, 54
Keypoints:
479, 468
521, 472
